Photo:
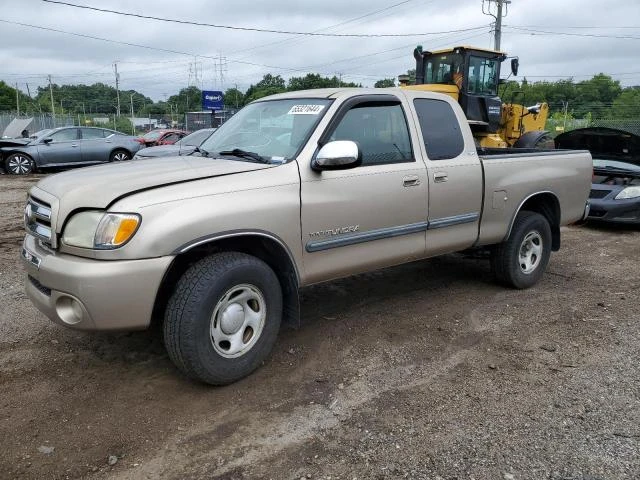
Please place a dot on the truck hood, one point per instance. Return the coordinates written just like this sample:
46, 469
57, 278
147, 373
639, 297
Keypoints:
98, 187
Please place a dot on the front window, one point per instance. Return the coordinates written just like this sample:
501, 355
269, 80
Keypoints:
441, 68
483, 78
275, 129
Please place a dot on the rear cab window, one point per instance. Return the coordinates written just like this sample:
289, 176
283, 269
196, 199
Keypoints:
440, 129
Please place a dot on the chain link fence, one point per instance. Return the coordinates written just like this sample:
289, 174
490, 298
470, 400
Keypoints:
40, 121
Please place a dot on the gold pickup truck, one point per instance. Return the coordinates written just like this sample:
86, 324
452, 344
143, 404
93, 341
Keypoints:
295, 189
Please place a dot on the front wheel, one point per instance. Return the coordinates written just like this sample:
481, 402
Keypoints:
19, 164
120, 156
223, 318
521, 260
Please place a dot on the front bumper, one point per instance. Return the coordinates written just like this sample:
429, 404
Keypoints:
87, 294
618, 211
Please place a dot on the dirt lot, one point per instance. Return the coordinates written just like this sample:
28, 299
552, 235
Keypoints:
426, 371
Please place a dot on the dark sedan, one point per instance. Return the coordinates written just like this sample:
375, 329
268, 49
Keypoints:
615, 190
68, 147
185, 146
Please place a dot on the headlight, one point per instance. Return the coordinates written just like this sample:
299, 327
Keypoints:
629, 192
100, 230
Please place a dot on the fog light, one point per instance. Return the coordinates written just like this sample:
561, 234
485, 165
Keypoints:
69, 310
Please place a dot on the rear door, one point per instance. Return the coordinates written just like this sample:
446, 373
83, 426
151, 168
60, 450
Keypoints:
64, 148
454, 174
373, 215
94, 148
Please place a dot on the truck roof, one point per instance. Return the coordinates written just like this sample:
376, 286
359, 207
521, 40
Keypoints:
331, 92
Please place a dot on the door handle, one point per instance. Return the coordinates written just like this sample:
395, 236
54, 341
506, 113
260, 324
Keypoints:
440, 177
74, 145
411, 181
107, 141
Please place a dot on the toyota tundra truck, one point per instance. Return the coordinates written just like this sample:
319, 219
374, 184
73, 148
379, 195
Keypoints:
295, 189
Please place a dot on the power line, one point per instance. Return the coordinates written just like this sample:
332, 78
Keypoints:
592, 35
261, 30
279, 42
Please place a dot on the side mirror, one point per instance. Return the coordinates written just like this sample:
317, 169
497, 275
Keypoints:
47, 140
515, 63
337, 155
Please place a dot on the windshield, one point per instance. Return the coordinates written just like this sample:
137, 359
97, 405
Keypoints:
41, 133
152, 135
440, 68
196, 138
275, 130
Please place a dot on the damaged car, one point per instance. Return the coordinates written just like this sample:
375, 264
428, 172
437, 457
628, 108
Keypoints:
615, 189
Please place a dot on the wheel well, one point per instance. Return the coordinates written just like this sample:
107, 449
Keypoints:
547, 205
265, 248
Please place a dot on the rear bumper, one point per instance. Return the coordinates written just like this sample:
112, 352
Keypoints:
87, 294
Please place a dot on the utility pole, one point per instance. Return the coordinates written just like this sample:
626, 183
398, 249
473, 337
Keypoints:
53, 107
17, 100
133, 129
501, 10
115, 69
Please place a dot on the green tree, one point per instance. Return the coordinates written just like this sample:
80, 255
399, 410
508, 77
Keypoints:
187, 100
269, 85
233, 98
8, 100
385, 83
627, 104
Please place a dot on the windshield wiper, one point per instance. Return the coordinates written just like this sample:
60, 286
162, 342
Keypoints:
237, 152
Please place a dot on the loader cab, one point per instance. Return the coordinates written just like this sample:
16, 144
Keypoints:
469, 75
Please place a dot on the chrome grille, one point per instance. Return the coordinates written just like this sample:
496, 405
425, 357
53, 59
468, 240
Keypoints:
37, 219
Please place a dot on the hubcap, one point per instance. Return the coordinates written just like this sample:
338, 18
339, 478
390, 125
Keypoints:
19, 165
120, 157
530, 252
238, 320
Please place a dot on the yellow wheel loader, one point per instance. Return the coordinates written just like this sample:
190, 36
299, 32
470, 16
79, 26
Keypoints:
471, 76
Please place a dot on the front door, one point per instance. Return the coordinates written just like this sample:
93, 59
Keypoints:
64, 148
373, 215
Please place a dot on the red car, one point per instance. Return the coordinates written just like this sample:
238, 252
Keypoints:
162, 137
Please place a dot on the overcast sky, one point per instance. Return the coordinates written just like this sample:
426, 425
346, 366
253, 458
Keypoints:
27, 54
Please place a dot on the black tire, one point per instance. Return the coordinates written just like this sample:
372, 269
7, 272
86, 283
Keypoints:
119, 156
19, 164
506, 257
189, 317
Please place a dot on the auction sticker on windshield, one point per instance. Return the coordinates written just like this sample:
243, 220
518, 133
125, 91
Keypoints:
305, 109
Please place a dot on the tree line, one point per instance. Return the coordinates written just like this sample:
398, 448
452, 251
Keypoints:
598, 97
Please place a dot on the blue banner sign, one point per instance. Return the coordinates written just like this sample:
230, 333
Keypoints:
212, 100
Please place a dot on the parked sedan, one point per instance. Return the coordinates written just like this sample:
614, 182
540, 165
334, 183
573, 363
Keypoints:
185, 146
161, 137
615, 191
68, 147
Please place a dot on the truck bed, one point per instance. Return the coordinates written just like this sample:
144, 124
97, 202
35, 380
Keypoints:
508, 184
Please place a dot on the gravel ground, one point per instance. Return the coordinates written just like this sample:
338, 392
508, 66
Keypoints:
425, 371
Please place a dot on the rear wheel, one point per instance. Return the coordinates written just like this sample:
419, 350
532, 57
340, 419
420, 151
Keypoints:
119, 156
19, 164
223, 318
520, 261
